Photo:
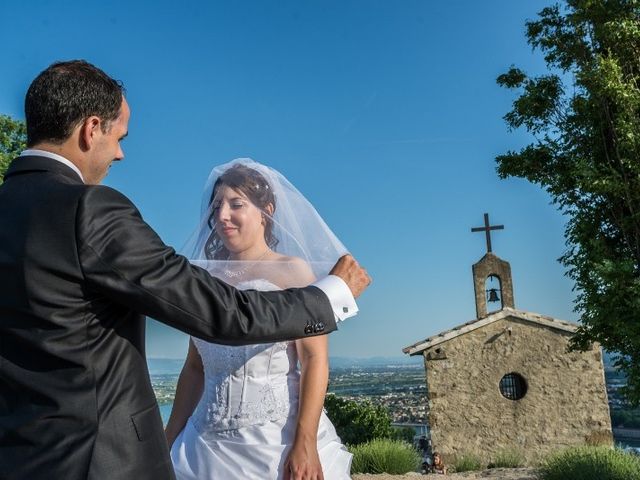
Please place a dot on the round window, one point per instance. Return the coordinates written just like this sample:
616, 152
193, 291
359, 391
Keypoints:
513, 386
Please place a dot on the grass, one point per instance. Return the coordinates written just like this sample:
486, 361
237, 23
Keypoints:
467, 462
591, 463
508, 458
384, 456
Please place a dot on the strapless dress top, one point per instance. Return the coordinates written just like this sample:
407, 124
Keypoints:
246, 385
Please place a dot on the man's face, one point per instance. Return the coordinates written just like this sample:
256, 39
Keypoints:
107, 148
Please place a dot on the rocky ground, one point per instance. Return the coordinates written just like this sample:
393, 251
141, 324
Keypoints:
493, 474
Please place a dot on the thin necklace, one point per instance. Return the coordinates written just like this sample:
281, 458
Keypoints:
242, 271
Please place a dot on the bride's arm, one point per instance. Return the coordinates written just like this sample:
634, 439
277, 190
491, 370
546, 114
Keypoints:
303, 459
188, 393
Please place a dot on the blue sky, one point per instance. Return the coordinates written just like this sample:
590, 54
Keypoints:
386, 115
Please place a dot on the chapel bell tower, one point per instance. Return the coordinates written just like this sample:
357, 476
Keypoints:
491, 277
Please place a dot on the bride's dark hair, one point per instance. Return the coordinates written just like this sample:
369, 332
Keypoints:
252, 184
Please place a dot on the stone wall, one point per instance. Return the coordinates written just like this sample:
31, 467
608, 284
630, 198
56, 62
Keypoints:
565, 405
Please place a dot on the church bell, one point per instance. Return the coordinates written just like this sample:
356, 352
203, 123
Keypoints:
492, 295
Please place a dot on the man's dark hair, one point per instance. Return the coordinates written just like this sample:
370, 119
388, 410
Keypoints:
64, 95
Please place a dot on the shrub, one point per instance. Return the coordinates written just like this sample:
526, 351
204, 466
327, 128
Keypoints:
357, 422
591, 463
467, 462
507, 458
384, 456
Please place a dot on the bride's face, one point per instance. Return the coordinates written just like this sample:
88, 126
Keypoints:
238, 222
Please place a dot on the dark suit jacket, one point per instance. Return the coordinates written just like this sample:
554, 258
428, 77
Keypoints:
78, 270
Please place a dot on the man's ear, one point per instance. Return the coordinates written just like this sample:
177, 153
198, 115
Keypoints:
88, 130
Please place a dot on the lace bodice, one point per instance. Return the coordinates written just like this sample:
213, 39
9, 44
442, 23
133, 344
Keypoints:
246, 385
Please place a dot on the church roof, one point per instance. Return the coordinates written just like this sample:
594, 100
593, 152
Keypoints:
447, 335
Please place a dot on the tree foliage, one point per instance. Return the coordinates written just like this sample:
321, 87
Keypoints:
584, 116
357, 422
13, 139
403, 434
625, 418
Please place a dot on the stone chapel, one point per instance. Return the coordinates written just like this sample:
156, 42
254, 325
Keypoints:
506, 380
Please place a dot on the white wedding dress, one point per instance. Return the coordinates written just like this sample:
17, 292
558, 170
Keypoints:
244, 425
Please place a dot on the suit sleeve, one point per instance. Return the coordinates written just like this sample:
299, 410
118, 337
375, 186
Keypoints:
125, 260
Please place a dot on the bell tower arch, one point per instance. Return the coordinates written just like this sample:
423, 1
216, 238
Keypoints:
492, 265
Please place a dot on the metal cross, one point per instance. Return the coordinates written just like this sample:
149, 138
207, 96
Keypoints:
487, 230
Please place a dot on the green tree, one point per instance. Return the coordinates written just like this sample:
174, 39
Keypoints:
357, 422
625, 418
584, 117
403, 434
13, 139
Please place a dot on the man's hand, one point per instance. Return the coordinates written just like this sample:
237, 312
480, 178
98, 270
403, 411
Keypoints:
353, 274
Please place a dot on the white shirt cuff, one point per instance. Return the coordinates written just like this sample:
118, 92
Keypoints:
340, 296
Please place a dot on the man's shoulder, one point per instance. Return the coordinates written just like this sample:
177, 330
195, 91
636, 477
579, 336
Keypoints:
102, 195
103, 210
100, 205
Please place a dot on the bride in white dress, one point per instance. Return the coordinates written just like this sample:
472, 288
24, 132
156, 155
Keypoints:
255, 412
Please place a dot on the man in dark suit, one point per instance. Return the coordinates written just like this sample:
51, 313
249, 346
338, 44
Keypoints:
79, 268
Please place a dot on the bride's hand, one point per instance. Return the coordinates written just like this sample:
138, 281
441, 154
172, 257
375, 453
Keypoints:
303, 463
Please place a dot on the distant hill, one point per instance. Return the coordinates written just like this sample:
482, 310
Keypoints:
172, 366
164, 366
350, 362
